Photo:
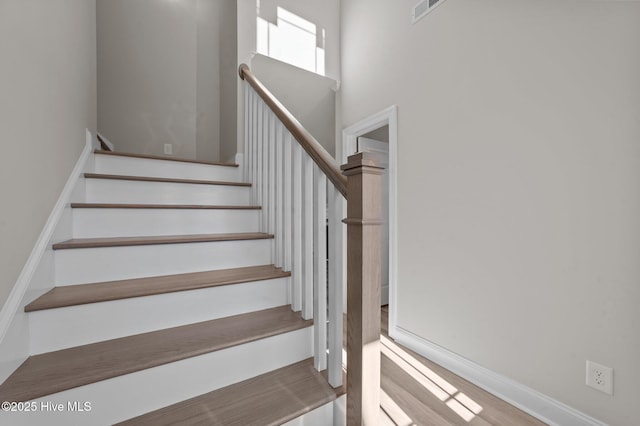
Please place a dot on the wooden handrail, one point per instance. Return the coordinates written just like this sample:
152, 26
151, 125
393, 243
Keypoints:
320, 156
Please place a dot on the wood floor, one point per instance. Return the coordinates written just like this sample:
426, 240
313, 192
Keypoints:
428, 394
163, 180
162, 157
160, 206
81, 294
79, 243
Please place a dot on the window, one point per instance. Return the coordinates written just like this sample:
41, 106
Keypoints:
293, 40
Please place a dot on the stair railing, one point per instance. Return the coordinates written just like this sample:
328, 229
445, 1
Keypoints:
302, 193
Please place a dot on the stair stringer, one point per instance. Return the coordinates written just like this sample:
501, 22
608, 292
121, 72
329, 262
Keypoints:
37, 275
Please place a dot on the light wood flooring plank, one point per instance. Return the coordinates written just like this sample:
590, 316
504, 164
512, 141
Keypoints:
160, 157
166, 239
115, 290
163, 180
403, 389
160, 206
422, 407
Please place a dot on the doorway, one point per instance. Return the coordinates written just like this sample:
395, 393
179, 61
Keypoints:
378, 142
378, 133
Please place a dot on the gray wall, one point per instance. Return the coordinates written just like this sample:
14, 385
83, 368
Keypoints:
381, 134
228, 79
159, 66
518, 182
310, 97
48, 86
207, 80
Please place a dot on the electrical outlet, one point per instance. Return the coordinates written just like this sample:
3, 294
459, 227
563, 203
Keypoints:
168, 149
600, 377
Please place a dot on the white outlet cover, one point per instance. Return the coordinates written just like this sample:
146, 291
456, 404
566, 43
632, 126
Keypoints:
168, 148
600, 377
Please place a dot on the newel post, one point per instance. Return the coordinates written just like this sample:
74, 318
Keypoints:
364, 213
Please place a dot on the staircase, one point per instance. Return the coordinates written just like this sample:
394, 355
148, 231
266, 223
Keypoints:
166, 309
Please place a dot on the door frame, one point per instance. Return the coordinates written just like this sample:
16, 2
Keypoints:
388, 116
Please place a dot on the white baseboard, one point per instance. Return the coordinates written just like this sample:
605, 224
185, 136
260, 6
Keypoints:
14, 331
528, 400
321, 416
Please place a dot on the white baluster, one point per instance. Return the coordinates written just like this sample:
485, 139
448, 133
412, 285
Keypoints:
250, 126
271, 224
307, 236
254, 148
296, 234
320, 268
287, 205
260, 110
266, 201
279, 195
336, 292
247, 127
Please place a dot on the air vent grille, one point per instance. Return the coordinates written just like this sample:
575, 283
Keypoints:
421, 9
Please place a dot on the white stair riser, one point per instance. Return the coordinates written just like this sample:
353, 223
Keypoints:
60, 328
321, 416
136, 192
96, 223
88, 265
131, 395
130, 166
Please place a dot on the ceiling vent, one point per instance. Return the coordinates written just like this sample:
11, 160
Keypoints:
421, 9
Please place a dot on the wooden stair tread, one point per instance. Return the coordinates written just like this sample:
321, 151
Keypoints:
160, 206
161, 157
77, 243
163, 180
65, 369
116, 290
270, 399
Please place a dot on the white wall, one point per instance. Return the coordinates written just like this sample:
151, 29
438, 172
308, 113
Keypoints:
159, 78
519, 182
48, 87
